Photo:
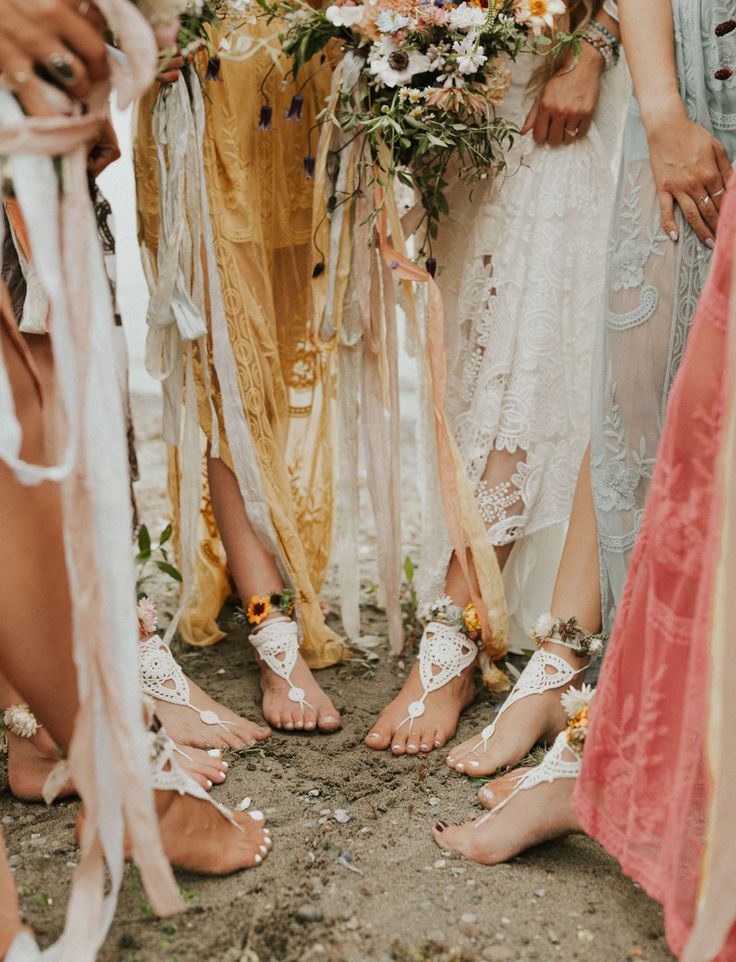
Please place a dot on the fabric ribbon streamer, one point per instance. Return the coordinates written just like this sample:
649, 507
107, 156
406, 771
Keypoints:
108, 756
354, 307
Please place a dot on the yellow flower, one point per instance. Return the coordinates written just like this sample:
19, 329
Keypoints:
470, 618
258, 609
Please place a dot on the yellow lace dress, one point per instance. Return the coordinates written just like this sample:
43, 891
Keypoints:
260, 205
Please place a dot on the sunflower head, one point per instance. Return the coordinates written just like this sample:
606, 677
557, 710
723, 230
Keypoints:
259, 609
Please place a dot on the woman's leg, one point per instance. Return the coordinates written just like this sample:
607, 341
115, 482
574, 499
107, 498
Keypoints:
255, 573
444, 706
576, 595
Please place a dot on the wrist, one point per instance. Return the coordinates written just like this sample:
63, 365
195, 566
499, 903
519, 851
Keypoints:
662, 113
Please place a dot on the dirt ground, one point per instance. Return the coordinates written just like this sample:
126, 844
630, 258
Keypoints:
354, 874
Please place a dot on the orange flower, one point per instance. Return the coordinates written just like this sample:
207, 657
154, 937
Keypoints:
258, 609
470, 618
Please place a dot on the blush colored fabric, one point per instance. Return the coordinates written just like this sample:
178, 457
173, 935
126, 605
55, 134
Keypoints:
652, 767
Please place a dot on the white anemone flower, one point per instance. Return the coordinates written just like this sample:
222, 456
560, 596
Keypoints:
391, 22
470, 54
394, 67
463, 17
576, 698
344, 16
540, 14
544, 625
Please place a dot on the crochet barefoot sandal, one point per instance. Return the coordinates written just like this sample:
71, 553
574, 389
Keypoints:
449, 645
555, 765
546, 670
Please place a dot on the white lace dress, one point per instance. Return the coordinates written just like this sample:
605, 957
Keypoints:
522, 265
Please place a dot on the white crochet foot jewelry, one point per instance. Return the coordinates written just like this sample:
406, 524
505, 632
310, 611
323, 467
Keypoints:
23, 948
18, 720
157, 667
167, 776
534, 680
280, 637
553, 767
444, 647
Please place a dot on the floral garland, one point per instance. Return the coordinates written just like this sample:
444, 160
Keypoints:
576, 702
567, 633
465, 620
261, 606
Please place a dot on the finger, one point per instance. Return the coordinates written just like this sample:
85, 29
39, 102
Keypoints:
667, 212
584, 125
692, 215
707, 209
101, 157
82, 38
170, 77
570, 130
556, 131
18, 77
541, 126
725, 167
60, 67
531, 118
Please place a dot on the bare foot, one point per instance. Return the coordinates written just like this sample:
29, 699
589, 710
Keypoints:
186, 727
30, 762
430, 730
533, 816
533, 719
494, 792
281, 712
197, 837
205, 767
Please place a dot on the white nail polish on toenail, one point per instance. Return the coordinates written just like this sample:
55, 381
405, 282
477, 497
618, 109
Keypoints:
412, 746
263, 848
259, 859
209, 783
374, 735
214, 752
475, 764
225, 765
424, 748
488, 793
438, 744
256, 815
460, 767
394, 747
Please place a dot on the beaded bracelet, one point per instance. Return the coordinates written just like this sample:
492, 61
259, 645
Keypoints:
606, 33
609, 50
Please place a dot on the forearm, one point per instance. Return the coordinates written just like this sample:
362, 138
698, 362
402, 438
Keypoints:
648, 36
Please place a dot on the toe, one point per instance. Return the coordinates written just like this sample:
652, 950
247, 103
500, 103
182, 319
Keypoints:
486, 796
310, 719
378, 738
328, 719
441, 737
261, 733
398, 744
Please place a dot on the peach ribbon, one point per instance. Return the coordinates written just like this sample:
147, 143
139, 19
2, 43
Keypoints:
108, 756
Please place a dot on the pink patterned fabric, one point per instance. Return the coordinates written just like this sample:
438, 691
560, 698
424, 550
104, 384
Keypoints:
644, 788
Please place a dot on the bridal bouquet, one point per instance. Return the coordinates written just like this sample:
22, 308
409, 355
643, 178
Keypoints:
420, 82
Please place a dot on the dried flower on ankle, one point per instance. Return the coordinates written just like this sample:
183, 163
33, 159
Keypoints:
20, 720
147, 617
576, 702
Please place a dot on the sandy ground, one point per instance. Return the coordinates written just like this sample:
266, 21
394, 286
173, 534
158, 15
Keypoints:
367, 885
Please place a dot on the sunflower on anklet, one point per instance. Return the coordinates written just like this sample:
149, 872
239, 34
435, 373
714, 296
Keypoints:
261, 606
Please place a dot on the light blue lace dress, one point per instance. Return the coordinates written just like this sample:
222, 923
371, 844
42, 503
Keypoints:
652, 289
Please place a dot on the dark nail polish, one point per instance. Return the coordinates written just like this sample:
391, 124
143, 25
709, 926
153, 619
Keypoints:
439, 826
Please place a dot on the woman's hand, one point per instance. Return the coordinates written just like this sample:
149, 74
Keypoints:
53, 36
691, 169
104, 151
563, 111
173, 66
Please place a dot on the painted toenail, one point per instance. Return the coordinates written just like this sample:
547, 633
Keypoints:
262, 730
266, 831
395, 748
309, 726
439, 826
259, 859
374, 735
460, 767
226, 765
414, 747
209, 783
438, 744
474, 764
256, 815
488, 793
214, 752
424, 748
263, 848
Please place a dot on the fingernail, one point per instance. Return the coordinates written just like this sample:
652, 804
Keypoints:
674, 236
439, 826
709, 242
214, 752
259, 859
